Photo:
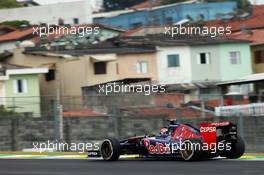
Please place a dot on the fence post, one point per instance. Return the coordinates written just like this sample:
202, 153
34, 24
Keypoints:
14, 125
58, 117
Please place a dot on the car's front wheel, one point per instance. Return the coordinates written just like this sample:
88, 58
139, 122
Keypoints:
110, 149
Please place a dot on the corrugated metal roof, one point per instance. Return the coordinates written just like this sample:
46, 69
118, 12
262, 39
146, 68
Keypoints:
247, 79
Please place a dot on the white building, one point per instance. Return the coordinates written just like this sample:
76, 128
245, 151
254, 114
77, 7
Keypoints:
97, 5
79, 12
256, 2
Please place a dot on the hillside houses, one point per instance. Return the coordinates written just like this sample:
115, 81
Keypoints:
193, 68
17, 82
181, 64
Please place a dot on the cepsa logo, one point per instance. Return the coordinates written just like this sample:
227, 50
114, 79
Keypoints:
208, 129
158, 148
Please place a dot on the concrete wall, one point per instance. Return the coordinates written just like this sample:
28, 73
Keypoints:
50, 14
18, 134
203, 72
127, 65
170, 75
234, 71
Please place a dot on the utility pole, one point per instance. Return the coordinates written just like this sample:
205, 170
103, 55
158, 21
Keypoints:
59, 109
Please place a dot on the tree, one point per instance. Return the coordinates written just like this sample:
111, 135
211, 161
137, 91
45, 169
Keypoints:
242, 4
16, 23
7, 113
9, 4
110, 5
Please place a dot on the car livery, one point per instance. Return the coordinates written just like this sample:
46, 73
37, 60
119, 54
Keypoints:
178, 140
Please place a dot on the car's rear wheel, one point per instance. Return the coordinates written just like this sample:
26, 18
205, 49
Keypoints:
237, 149
191, 150
110, 149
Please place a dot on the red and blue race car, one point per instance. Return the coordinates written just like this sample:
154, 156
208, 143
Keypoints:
179, 140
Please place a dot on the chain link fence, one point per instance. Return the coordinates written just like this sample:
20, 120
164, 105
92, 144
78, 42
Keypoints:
83, 118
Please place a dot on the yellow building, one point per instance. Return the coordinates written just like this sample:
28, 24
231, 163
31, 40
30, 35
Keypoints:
257, 51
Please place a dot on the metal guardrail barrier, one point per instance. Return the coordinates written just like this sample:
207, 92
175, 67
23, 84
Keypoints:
253, 109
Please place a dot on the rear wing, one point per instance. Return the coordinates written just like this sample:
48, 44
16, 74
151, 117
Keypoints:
218, 131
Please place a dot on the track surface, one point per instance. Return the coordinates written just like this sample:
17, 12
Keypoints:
128, 167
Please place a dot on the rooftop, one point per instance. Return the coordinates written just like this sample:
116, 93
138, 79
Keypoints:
245, 80
255, 36
11, 66
255, 21
133, 45
16, 35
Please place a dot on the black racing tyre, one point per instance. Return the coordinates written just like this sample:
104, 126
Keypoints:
110, 149
191, 150
237, 149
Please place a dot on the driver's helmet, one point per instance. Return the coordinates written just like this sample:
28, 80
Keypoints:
164, 131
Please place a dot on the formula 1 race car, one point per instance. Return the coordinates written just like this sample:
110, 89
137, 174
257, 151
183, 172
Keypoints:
178, 140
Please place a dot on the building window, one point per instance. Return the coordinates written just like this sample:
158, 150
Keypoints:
204, 58
50, 75
235, 57
61, 22
142, 67
100, 68
259, 57
20, 86
173, 60
75, 20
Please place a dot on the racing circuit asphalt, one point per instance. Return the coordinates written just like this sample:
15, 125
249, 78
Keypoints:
128, 167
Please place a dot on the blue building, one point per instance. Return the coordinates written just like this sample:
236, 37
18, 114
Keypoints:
167, 14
